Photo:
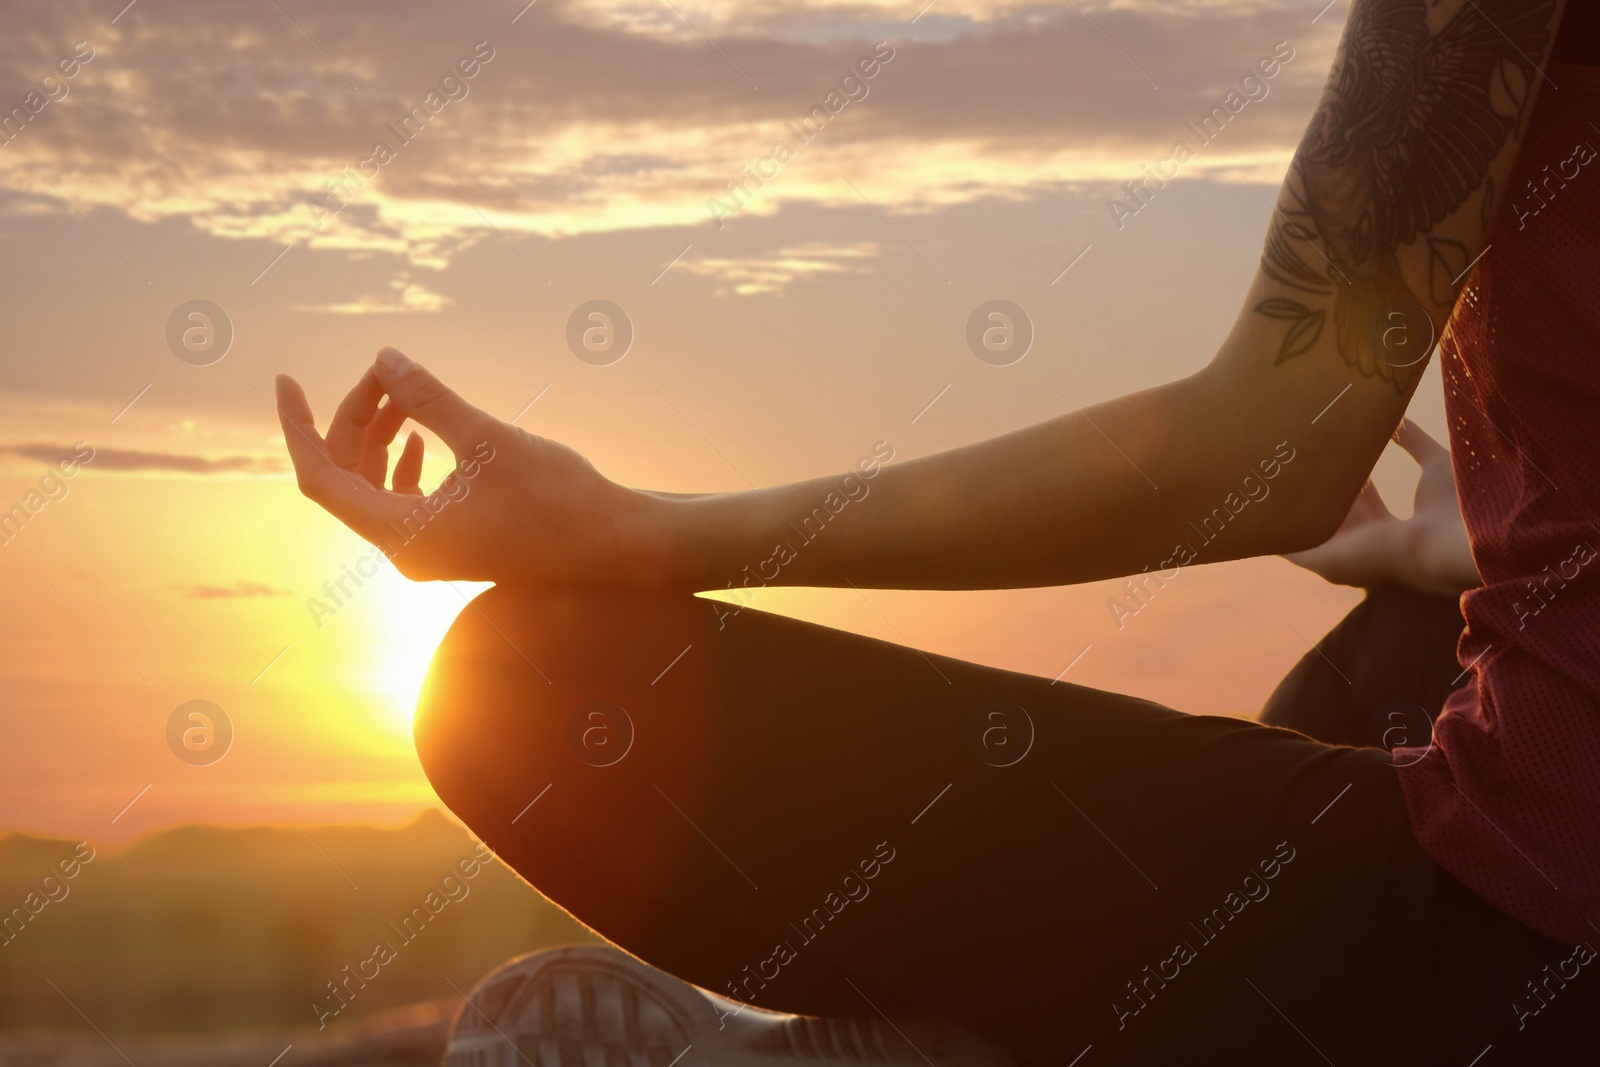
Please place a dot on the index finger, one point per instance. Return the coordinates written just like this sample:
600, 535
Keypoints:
353, 502
1415, 440
348, 428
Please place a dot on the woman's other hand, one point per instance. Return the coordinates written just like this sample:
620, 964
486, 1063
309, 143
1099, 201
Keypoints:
1429, 551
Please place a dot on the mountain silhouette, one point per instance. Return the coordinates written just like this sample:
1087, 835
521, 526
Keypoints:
203, 930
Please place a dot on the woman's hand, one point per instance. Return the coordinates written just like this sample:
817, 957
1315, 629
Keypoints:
1428, 551
516, 508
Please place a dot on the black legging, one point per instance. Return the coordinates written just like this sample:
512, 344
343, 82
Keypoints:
828, 824
1378, 678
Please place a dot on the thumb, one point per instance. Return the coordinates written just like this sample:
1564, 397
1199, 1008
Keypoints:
429, 401
1367, 506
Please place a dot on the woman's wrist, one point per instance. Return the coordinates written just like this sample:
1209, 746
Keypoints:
708, 541
647, 553
675, 540
1441, 555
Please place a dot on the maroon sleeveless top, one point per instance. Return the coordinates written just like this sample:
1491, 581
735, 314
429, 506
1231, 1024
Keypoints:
1507, 796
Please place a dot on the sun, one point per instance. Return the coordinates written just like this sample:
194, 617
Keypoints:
414, 619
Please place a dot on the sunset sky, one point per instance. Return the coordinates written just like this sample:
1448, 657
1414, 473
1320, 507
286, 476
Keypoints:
191, 158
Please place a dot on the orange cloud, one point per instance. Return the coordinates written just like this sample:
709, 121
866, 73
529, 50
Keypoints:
239, 590
126, 460
598, 116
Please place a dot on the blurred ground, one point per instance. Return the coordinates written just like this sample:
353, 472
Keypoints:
404, 1037
226, 945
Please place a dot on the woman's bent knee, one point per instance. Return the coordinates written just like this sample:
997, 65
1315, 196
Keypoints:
518, 658
552, 719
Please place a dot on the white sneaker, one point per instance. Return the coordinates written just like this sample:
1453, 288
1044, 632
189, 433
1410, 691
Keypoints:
597, 1006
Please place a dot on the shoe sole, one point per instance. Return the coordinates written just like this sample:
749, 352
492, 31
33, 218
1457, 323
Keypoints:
597, 1006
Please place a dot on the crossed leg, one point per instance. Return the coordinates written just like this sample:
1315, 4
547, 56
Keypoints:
1379, 677
822, 823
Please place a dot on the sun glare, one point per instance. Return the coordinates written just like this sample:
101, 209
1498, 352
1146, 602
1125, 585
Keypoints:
415, 617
